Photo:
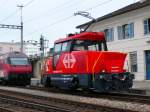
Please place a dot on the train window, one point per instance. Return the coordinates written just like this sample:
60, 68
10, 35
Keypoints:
89, 45
93, 47
19, 61
57, 47
79, 45
56, 57
64, 46
103, 47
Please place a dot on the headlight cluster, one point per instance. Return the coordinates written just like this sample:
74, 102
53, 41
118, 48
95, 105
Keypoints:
1, 74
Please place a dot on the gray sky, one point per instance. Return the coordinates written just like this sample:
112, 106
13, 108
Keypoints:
52, 18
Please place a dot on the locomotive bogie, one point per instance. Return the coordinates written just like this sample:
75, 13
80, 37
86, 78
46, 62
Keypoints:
101, 82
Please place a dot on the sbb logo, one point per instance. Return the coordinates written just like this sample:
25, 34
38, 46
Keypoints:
69, 61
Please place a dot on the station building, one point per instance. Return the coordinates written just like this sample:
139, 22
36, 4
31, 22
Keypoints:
6, 47
128, 30
32, 48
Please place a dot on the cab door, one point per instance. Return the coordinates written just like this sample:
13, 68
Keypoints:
56, 55
60, 50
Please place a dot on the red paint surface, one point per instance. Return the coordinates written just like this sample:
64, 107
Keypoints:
85, 36
90, 62
86, 62
9, 69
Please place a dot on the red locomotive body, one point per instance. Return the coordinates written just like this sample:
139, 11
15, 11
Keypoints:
82, 60
15, 68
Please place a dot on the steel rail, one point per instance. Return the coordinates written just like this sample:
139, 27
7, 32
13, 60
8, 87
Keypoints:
63, 101
120, 96
3, 109
131, 96
31, 105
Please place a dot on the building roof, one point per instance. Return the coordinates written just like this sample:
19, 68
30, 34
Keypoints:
13, 54
126, 9
10, 43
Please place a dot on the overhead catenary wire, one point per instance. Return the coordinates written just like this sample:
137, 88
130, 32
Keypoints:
16, 11
9, 16
64, 19
95, 6
54, 10
52, 24
28, 3
100, 4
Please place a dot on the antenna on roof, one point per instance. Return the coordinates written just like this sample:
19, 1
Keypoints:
87, 15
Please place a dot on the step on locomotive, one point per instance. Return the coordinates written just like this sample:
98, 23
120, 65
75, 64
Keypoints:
83, 61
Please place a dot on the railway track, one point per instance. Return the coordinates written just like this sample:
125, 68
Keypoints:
47, 104
131, 96
28, 104
145, 99
4, 109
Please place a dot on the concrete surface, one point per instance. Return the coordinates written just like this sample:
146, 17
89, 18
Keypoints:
143, 85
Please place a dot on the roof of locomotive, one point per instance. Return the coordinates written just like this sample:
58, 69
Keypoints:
99, 36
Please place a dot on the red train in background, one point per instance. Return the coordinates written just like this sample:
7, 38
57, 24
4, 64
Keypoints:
15, 69
82, 61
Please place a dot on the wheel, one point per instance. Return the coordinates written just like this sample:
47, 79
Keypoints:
47, 82
4, 82
74, 84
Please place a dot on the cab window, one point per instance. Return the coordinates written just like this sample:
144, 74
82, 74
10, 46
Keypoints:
61, 47
103, 47
79, 45
64, 46
57, 48
93, 47
89, 45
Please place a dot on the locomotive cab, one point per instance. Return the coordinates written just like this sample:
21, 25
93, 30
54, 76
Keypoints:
15, 69
77, 45
82, 61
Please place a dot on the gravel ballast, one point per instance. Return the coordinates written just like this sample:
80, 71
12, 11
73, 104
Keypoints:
139, 107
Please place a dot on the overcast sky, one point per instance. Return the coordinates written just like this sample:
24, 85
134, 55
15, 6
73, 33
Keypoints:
52, 18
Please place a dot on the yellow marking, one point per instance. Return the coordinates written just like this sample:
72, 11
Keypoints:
87, 64
95, 66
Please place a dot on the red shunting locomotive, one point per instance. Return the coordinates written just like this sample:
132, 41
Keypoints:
82, 61
15, 69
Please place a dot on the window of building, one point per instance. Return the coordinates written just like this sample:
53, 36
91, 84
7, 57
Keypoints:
126, 31
109, 34
133, 61
147, 26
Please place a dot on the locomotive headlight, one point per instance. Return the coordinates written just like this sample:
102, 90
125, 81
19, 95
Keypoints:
101, 76
103, 71
1, 74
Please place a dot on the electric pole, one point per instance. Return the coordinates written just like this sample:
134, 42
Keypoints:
21, 6
42, 46
20, 27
